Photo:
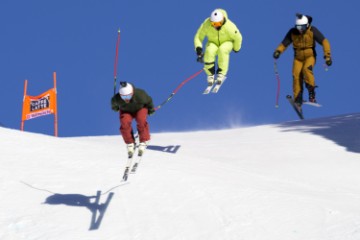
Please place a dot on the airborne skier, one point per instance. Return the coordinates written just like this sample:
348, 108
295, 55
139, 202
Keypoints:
223, 37
133, 103
303, 37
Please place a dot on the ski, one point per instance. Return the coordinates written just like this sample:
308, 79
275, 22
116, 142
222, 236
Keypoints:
130, 160
134, 167
136, 164
137, 161
132, 163
213, 88
127, 167
296, 107
312, 104
218, 86
208, 89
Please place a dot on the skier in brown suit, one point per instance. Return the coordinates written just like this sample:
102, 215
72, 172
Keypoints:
304, 37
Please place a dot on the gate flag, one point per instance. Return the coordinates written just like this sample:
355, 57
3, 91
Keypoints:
38, 106
41, 105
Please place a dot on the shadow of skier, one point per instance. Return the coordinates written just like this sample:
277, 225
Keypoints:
168, 149
90, 202
341, 129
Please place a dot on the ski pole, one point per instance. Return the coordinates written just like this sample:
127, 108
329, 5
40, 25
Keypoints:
177, 89
278, 84
116, 59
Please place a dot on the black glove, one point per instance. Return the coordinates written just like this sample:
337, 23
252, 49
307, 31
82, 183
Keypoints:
276, 54
151, 111
200, 55
328, 61
114, 105
115, 108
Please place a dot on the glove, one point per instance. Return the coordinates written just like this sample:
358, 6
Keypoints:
328, 61
114, 105
151, 111
200, 55
276, 54
115, 108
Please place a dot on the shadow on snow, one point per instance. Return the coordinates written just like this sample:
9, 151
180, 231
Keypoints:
344, 130
90, 202
168, 149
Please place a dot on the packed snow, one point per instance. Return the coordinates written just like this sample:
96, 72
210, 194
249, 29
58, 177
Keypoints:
292, 181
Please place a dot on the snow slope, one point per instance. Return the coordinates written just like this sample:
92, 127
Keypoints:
297, 180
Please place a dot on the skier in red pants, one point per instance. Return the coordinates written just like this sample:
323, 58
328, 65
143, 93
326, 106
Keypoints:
133, 103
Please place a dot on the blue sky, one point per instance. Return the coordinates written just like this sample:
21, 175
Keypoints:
77, 39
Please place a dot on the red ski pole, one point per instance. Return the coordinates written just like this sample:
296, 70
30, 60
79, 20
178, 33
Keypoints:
177, 89
116, 59
278, 84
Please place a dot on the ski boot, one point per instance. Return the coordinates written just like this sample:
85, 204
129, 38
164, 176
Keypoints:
312, 98
210, 80
298, 101
142, 148
131, 149
220, 78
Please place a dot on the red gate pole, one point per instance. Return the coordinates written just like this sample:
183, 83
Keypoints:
55, 114
22, 116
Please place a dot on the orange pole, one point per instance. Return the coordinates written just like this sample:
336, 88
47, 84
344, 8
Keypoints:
22, 121
55, 116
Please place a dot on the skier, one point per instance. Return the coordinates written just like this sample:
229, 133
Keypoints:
303, 37
133, 103
223, 37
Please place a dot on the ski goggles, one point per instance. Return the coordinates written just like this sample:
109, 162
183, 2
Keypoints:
301, 27
126, 97
217, 24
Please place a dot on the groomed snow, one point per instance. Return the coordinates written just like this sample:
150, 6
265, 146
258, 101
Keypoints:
292, 181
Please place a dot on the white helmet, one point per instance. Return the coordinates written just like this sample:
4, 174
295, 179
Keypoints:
126, 89
216, 16
301, 20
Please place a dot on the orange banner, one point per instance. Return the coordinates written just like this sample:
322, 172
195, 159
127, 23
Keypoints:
38, 106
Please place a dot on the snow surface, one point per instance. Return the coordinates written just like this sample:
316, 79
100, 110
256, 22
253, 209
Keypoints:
297, 180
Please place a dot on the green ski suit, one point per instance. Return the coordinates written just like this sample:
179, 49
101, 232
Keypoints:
220, 43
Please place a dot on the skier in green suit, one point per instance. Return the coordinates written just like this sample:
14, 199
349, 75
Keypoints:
222, 37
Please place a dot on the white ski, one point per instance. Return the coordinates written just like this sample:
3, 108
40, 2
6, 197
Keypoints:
137, 160
296, 107
312, 104
218, 86
208, 89
127, 168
